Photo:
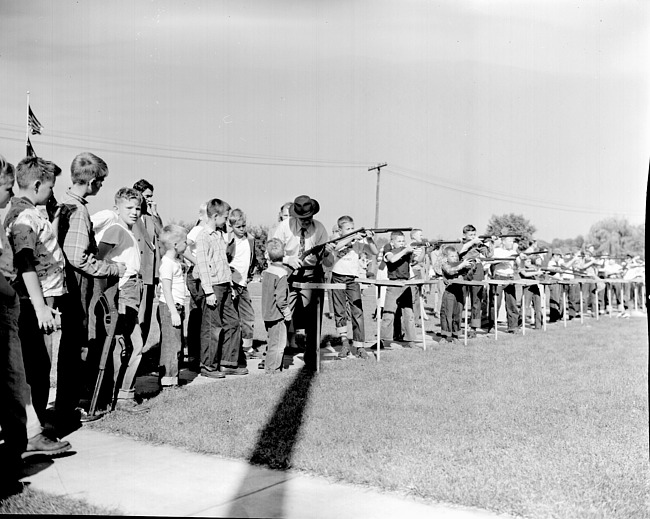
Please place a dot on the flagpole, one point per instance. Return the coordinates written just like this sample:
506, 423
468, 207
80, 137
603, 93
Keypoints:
27, 132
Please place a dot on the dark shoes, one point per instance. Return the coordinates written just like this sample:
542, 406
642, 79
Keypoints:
211, 372
345, 351
41, 444
234, 371
130, 406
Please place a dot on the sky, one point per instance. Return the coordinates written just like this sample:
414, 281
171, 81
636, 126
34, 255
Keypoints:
532, 107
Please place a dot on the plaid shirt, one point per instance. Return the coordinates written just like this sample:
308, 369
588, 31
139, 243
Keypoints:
211, 260
77, 238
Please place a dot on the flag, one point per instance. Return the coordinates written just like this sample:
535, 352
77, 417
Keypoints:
35, 127
30, 149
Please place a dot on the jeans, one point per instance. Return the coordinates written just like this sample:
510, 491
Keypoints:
221, 343
555, 303
13, 385
244, 307
398, 299
532, 295
194, 318
171, 344
512, 312
37, 356
348, 302
572, 292
453, 302
277, 341
127, 353
304, 310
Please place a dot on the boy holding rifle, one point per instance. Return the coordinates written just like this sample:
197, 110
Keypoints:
345, 270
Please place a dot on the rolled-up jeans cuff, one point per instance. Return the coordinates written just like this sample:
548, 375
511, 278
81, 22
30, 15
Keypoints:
126, 394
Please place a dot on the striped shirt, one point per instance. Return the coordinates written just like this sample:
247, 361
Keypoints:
211, 260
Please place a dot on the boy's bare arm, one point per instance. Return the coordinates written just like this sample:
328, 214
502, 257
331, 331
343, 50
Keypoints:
169, 299
25, 264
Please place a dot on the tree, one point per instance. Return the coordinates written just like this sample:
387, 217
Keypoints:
617, 237
513, 223
261, 233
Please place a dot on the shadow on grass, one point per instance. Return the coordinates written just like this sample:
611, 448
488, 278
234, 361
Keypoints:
263, 494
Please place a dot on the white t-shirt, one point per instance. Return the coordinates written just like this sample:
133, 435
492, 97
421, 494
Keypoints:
172, 269
101, 221
125, 250
241, 261
505, 268
347, 262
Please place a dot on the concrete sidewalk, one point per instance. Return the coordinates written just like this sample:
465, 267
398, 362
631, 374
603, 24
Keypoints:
138, 478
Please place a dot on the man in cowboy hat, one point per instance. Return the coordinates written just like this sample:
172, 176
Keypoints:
298, 234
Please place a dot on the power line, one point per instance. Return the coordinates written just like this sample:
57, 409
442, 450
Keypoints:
494, 195
196, 151
200, 159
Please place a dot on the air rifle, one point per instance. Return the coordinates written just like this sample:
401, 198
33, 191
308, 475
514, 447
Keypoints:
379, 230
489, 236
435, 243
565, 271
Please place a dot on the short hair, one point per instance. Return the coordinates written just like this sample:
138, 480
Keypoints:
469, 228
396, 234
413, 231
86, 167
202, 208
216, 206
127, 193
171, 234
275, 249
35, 168
7, 170
237, 215
344, 219
282, 207
142, 185
449, 249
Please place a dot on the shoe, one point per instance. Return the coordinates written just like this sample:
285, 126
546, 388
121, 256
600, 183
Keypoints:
41, 444
345, 352
84, 417
234, 371
328, 349
129, 405
210, 372
450, 340
252, 354
261, 364
471, 334
407, 344
362, 353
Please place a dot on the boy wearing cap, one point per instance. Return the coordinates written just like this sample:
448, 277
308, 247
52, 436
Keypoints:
299, 233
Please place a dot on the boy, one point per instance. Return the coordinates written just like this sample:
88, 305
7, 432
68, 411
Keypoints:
221, 350
275, 306
556, 308
147, 230
418, 266
242, 260
40, 282
531, 292
77, 239
505, 271
474, 249
453, 298
397, 256
119, 244
21, 428
346, 269
172, 302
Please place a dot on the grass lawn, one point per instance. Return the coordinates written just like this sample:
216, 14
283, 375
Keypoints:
549, 424
39, 503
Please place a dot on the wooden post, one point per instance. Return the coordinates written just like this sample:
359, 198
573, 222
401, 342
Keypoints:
317, 293
378, 321
467, 300
609, 295
496, 315
421, 300
581, 305
524, 310
565, 308
542, 290
378, 168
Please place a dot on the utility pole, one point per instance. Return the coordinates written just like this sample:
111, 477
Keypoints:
378, 168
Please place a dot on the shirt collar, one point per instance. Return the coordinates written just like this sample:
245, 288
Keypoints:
76, 197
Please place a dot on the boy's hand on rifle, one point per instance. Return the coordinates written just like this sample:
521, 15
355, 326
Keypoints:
294, 262
330, 247
211, 300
